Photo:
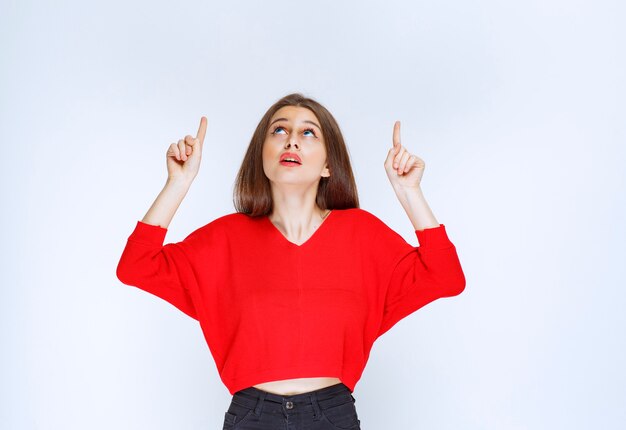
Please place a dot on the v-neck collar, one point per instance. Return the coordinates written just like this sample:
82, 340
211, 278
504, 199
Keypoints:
311, 238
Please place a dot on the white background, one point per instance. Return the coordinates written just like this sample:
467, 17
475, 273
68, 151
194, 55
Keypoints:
517, 109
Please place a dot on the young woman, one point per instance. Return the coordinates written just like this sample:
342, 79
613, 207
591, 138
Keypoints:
292, 289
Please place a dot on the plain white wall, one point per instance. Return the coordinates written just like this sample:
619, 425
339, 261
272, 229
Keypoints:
517, 109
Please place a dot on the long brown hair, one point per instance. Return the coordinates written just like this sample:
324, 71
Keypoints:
252, 190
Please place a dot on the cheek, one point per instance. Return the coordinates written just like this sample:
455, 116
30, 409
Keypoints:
266, 151
271, 145
268, 154
320, 155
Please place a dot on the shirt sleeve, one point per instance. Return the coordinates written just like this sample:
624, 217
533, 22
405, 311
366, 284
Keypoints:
419, 275
165, 271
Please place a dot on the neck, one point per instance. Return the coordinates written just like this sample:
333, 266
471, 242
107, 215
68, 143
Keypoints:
296, 214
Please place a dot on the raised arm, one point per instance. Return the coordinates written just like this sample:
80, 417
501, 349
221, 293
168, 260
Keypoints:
166, 270
405, 172
419, 275
183, 162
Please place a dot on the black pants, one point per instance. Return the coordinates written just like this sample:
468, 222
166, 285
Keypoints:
329, 408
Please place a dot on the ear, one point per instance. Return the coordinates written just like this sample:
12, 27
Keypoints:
326, 172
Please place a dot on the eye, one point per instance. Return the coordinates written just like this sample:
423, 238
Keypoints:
311, 130
275, 131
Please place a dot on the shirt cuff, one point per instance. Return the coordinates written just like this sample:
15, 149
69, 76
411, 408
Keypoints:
148, 234
434, 238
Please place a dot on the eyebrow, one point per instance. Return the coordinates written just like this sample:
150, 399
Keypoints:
285, 119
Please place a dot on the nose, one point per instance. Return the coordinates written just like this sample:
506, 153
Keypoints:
289, 143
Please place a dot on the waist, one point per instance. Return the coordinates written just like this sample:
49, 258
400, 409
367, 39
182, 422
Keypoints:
249, 396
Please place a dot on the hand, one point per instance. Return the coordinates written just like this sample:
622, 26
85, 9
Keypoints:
183, 159
404, 170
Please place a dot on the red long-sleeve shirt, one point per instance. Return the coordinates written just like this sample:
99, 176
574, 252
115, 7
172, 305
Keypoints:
270, 309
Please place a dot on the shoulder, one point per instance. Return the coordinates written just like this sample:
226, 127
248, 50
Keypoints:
378, 231
231, 219
373, 234
363, 217
222, 225
365, 224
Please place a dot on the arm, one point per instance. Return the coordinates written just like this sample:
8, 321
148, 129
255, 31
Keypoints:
162, 270
405, 172
416, 276
166, 270
430, 271
416, 207
167, 203
183, 163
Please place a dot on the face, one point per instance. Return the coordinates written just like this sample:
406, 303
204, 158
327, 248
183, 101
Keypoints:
295, 130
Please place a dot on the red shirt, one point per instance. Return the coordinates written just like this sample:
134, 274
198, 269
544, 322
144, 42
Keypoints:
270, 309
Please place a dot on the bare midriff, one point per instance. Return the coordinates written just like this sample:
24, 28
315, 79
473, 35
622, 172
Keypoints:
289, 387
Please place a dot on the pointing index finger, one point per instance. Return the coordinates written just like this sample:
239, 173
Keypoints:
202, 130
396, 135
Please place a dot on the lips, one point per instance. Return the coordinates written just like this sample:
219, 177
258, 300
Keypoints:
290, 155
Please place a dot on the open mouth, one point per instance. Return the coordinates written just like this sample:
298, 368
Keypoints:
290, 159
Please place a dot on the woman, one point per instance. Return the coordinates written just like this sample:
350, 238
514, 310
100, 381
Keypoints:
292, 290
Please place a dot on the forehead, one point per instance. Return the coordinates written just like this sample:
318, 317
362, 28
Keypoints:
295, 114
